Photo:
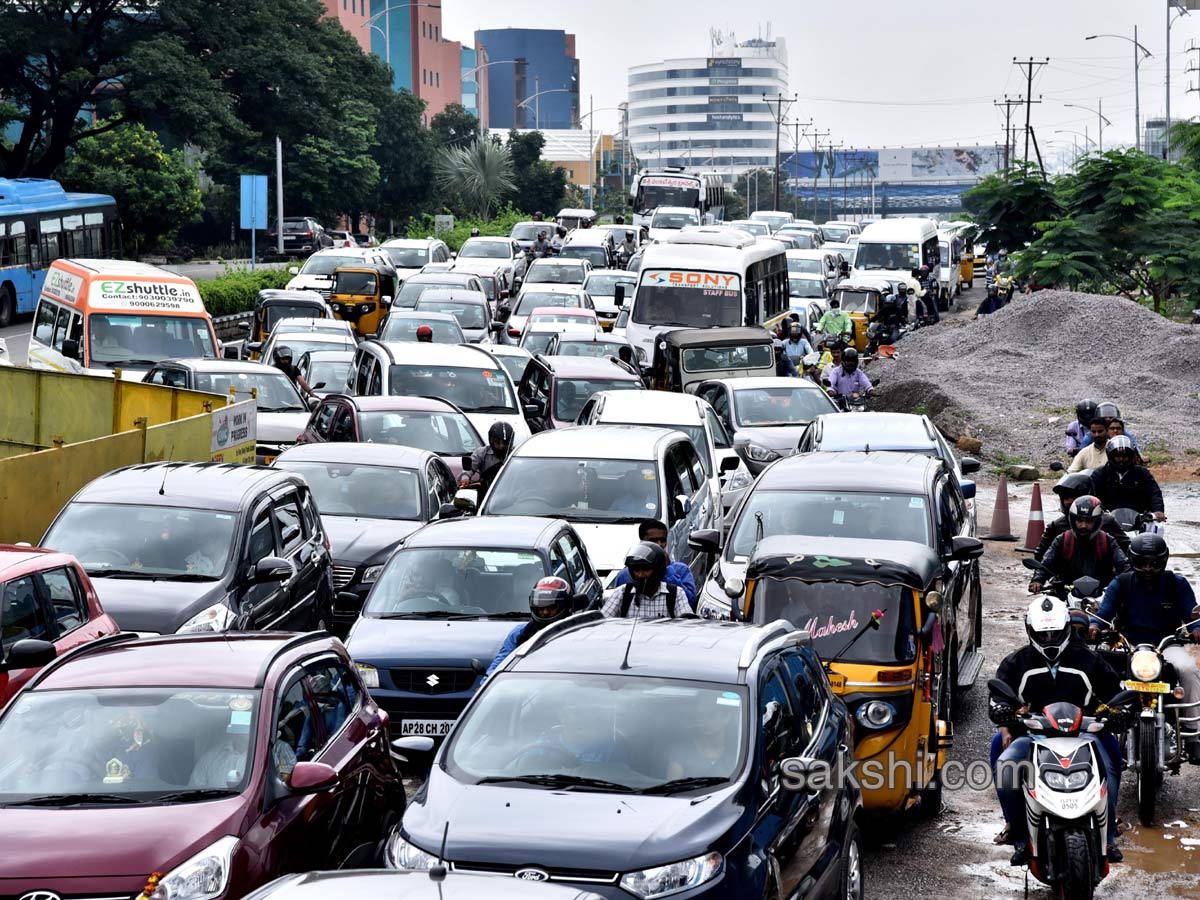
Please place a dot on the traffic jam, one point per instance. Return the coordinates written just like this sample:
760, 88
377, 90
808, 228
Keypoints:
583, 568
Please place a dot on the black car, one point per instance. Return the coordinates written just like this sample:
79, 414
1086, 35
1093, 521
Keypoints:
367, 885
370, 498
301, 235
196, 547
647, 761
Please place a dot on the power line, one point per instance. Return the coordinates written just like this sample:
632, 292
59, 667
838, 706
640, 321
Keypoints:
1029, 67
779, 116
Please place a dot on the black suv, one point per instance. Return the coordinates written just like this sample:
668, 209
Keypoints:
195, 547
301, 235
645, 761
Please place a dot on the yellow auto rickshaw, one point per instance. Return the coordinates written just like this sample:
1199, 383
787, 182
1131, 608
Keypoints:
273, 305
361, 295
862, 299
874, 611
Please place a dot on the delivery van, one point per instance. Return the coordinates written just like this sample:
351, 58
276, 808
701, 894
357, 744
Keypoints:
95, 316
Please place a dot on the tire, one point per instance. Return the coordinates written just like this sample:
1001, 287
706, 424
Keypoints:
1147, 776
8, 306
852, 883
1078, 868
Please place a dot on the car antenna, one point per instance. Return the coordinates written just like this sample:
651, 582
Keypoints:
162, 488
758, 517
437, 873
628, 644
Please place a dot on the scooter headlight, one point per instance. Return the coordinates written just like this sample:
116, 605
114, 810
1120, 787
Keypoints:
1145, 665
1065, 781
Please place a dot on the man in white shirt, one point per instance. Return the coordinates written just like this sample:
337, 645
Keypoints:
1094, 455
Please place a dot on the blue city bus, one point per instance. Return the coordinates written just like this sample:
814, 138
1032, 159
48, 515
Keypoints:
39, 223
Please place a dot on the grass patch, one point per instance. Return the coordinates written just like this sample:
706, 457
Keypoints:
1002, 462
235, 291
1156, 453
921, 409
1192, 451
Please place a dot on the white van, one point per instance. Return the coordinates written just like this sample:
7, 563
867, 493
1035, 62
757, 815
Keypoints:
893, 248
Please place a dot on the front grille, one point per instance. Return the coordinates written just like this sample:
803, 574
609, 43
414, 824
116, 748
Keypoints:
342, 576
556, 873
433, 682
401, 708
326, 293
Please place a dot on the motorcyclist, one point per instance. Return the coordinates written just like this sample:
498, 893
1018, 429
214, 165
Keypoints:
1109, 413
424, 334
678, 573
1120, 483
549, 601
796, 346
1053, 667
830, 360
991, 303
538, 216
1078, 432
486, 461
1084, 549
1150, 603
1070, 487
837, 322
541, 247
783, 363
848, 379
474, 232
1003, 263
929, 282
282, 357
626, 248
1092, 455
648, 594
918, 292
560, 237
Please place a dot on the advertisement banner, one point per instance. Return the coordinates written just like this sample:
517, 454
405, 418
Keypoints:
722, 82
900, 164
133, 294
235, 432
63, 284
724, 62
725, 117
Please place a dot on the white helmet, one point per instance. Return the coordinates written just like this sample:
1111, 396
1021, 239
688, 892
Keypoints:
1048, 624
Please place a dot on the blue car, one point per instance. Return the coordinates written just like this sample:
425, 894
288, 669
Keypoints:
444, 604
648, 758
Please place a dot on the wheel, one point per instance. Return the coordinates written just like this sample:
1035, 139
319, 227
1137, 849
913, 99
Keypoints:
931, 796
1147, 777
8, 305
852, 887
1076, 883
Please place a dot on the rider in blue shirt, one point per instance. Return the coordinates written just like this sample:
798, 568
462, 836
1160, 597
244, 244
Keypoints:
678, 573
549, 601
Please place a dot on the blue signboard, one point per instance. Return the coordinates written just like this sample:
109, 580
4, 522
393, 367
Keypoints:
254, 202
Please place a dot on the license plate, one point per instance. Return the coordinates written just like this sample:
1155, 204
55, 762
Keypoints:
426, 727
267, 460
1147, 687
836, 681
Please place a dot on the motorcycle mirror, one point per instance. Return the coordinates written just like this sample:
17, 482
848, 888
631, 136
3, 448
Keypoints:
1030, 564
1002, 691
1122, 698
1056, 466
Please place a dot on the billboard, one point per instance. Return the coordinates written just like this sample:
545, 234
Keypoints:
903, 164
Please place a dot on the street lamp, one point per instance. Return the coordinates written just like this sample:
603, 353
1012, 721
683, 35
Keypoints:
657, 131
372, 22
537, 106
1099, 113
470, 74
592, 147
1078, 134
1139, 53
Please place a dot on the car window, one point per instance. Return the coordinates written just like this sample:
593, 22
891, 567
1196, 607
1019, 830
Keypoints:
690, 458
287, 519
719, 399
43, 324
719, 435
323, 418
20, 614
343, 426
573, 554
362, 373
775, 718
807, 696
262, 538
958, 508
312, 521
295, 729
558, 565
335, 694
67, 602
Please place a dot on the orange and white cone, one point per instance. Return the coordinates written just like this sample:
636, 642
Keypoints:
1037, 524
1001, 529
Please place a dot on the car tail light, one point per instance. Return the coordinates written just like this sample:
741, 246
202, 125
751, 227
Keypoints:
513, 332
308, 234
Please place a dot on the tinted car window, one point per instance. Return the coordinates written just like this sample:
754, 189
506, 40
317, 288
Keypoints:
287, 517
20, 616
66, 599
336, 696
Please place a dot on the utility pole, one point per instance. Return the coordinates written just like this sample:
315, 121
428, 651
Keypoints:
1007, 105
833, 148
796, 163
816, 139
1029, 67
278, 195
778, 101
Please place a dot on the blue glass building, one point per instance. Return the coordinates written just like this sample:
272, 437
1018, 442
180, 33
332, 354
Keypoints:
533, 79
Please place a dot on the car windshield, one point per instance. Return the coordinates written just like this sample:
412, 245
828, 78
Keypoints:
456, 580
139, 745
514, 364
571, 393
606, 285
326, 264
329, 372
806, 266
470, 389
404, 330
688, 299
411, 291
276, 393
554, 274
580, 490
805, 240
408, 257
674, 220
117, 339
805, 288
884, 517
274, 312
371, 492
527, 231
150, 541
356, 283
485, 250
763, 407
709, 359
534, 342
833, 612
444, 433
637, 733
597, 256
758, 229
468, 315
902, 257
533, 299
836, 233
858, 301
596, 349
695, 432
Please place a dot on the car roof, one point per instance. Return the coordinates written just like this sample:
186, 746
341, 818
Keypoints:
334, 338
877, 430
676, 209
903, 473
588, 237
651, 407
123, 267
597, 442
550, 287
770, 381
320, 355
421, 315
574, 312
399, 404
414, 243
418, 354
716, 337
208, 485
558, 261
456, 294
586, 336
508, 350
231, 366
393, 456
588, 367
486, 531
807, 254
610, 273
490, 238
11, 556
866, 283
292, 296
440, 277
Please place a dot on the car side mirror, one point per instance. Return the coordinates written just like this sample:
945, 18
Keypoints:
707, 540
970, 464
244, 327
963, 549
413, 743
231, 352
272, 568
532, 410
385, 301
968, 490
254, 347
478, 667
293, 270
467, 499
312, 778
730, 463
681, 505
70, 349
29, 653
619, 295
318, 385
496, 327
349, 598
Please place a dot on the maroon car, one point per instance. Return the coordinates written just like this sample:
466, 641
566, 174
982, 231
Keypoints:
192, 768
422, 422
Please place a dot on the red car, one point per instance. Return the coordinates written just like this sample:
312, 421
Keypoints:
193, 767
44, 597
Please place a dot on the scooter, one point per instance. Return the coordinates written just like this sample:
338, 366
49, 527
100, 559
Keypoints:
1066, 800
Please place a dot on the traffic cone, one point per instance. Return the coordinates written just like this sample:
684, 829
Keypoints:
1001, 529
1037, 525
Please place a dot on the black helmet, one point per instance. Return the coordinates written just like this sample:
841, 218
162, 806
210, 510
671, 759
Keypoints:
501, 432
1119, 450
1148, 554
993, 290
647, 555
1107, 410
474, 232
1085, 411
538, 215
550, 600
849, 359
795, 329
1071, 486
1085, 517
281, 353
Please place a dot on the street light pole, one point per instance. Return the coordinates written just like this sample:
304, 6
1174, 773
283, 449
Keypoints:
1102, 120
386, 14
1139, 53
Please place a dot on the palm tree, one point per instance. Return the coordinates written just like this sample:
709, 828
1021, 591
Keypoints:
481, 173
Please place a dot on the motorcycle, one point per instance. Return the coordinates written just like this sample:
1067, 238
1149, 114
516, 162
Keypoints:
1133, 521
1082, 596
1065, 796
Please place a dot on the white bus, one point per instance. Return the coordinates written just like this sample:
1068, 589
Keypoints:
707, 277
893, 248
673, 186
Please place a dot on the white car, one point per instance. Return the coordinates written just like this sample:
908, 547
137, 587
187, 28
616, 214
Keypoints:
815, 264
301, 342
537, 337
727, 474
605, 480
496, 250
601, 286
410, 255
317, 272
557, 271
532, 296
670, 219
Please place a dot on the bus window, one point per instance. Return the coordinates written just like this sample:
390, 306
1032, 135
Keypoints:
19, 247
72, 236
51, 234
43, 326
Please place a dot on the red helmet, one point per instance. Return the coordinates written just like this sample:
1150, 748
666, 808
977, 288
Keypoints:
550, 600
424, 333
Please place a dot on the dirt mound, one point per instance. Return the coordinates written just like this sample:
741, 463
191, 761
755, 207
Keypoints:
1012, 379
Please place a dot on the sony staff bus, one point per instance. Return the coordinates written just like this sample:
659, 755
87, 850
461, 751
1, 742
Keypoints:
673, 186
707, 278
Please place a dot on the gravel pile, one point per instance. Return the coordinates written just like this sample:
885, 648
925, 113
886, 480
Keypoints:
1003, 378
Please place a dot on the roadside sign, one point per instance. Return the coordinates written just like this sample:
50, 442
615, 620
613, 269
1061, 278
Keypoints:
234, 433
443, 223
253, 208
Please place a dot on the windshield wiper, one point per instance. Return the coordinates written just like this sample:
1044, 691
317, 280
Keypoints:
491, 409
186, 576
195, 794
75, 799
513, 614
685, 784
122, 573
131, 362
680, 324
430, 614
559, 781
270, 409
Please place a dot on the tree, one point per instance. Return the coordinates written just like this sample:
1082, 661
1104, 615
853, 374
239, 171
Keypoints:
1009, 207
755, 188
481, 174
454, 126
156, 190
405, 153
539, 185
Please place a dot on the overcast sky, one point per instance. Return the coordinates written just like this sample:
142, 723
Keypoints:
887, 73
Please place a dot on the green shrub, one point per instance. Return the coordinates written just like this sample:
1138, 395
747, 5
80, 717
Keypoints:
498, 226
234, 292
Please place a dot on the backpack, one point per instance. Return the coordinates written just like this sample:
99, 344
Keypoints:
627, 600
1069, 544
1126, 580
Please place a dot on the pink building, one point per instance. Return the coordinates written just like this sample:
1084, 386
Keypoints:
353, 15
437, 62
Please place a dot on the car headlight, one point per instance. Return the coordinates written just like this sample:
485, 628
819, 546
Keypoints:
217, 617
1145, 665
369, 674
641, 354
400, 854
663, 881
371, 574
876, 714
204, 876
1064, 781
741, 479
709, 608
759, 453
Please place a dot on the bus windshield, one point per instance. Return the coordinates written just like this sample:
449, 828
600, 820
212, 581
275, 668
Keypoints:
893, 257
688, 299
654, 192
117, 339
